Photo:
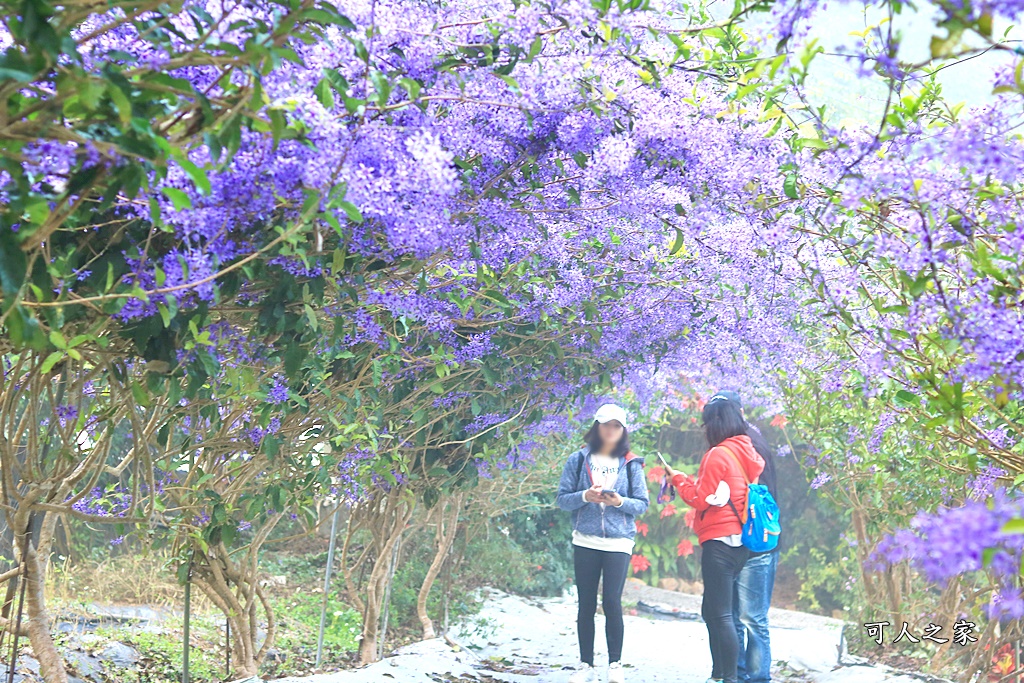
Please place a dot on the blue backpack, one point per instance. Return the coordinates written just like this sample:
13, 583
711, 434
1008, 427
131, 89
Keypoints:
761, 527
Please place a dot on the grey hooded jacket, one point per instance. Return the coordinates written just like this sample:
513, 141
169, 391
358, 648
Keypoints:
593, 519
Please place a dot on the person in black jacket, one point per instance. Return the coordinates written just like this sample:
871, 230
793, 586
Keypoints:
753, 592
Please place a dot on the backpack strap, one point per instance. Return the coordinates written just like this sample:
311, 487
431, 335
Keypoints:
736, 459
629, 479
626, 460
743, 517
584, 465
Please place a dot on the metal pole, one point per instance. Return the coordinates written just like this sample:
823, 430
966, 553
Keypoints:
23, 578
327, 587
17, 629
186, 645
186, 636
227, 648
5, 611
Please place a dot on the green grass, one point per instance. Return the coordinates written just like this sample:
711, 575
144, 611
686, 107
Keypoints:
299, 622
161, 651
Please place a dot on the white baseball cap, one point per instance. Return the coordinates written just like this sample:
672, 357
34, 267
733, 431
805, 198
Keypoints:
609, 412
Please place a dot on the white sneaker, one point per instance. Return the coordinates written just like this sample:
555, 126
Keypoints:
615, 673
584, 674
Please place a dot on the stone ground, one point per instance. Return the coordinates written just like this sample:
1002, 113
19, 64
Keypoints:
91, 658
522, 640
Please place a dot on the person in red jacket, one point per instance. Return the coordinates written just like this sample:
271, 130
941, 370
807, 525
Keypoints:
719, 494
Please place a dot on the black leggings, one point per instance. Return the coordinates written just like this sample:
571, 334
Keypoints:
589, 564
720, 566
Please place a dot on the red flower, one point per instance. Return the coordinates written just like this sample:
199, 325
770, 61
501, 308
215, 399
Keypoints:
779, 421
684, 548
655, 473
668, 511
1002, 663
642, 528
639, 563
691, 517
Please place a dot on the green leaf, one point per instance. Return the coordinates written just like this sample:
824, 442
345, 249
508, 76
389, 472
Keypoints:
333, 221
1014, 526
121, 104
813, 143
197, 174
352, 211
165, 315
183, 574
37, 211
23, 329
179, 198
411, 86
324, 93
12, 264
512, 83
906, 398
943, 47
314, 324
382, 86
677, 245
535, 47
140, 395
50, 361
985, 24
789, 186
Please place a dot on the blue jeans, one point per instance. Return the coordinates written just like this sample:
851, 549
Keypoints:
753, 595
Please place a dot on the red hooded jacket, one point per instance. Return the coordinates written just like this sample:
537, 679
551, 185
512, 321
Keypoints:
714, 521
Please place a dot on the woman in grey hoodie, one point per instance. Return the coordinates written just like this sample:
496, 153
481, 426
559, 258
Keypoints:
603, 485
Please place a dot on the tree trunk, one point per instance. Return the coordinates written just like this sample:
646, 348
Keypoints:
445, 536
234, 588
51, 665
863, 552
389, 517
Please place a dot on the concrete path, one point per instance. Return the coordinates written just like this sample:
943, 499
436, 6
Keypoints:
522, 640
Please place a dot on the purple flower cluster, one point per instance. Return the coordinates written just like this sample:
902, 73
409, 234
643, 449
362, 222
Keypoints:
526, 209
452, 399
962, 540
485, 421
983, 484
66, 414
887, 420
278, 393
475, 348
255, 433
114, 502
352, 476
820, 480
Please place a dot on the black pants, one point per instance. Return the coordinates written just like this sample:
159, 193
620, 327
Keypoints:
720, 566
589, 565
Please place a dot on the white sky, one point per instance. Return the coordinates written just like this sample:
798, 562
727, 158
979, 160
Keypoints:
834, 80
